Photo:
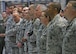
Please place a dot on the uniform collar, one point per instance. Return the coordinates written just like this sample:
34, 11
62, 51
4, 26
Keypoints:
53, 20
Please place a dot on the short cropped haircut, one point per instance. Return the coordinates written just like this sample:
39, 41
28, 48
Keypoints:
42, 7
73, 4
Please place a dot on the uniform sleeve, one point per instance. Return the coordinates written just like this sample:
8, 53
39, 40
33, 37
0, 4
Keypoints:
12, 31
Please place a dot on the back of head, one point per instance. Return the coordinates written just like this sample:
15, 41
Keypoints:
53, 9
42, 7
39, 9
73, 4
70, 10
55, 5
33, 6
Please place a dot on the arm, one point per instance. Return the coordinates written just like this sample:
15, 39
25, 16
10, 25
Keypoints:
12, 31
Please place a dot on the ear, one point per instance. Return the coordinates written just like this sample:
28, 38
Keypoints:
56, 9
48, 17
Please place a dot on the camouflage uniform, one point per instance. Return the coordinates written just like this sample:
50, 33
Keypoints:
28, 30
55, 31
9, 23
69, 41
12, 36
42, 43
2, 30
37, 31
36, 25
20, 34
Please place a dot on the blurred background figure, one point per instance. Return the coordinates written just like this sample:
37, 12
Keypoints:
2, 30
4, 15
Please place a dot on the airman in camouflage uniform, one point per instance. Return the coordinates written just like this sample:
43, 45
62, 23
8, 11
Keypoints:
55, 37
9, 24
33, 36
2, 31
55, 30
69, 41
8, 49
38, 26
19, 36
43, 33
43, 42
24, 38
37, 31
28, 30
12, 34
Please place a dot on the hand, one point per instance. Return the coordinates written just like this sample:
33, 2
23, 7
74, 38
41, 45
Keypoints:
24, 39
19, 45
2, 35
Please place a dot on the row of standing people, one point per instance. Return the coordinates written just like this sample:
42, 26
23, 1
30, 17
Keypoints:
41, 30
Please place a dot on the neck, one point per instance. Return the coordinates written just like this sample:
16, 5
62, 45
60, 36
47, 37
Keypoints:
17, 20
72, 17
46, 23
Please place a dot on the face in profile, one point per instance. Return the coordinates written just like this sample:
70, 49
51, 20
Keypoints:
43, 18
31, 10
38, 11
68, 11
